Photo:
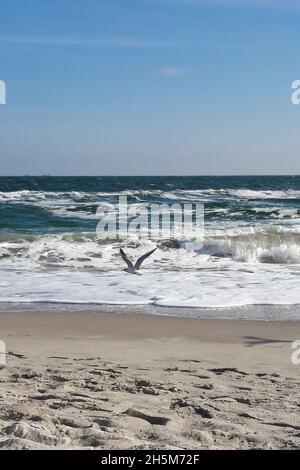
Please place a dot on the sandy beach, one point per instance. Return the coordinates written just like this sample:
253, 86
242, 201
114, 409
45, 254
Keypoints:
149, 228
109, 381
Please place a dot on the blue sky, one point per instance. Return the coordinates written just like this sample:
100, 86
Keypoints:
100, 87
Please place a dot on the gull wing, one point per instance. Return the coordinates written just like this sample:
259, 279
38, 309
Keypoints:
127, 261
142, 258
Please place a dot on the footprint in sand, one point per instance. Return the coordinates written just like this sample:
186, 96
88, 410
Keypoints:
158, 420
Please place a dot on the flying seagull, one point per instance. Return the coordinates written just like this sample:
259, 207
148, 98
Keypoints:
133, 268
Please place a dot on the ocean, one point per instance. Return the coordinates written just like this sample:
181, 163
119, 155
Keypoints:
250, 256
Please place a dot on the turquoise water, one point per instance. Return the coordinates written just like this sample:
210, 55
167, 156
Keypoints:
67, 204
50, 251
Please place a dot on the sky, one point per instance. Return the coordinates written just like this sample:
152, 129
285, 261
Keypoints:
149, 87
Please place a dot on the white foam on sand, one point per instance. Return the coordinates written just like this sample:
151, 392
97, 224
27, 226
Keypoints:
174, 278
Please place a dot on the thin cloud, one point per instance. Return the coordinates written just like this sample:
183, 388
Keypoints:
171, 71
88, 42
233, 3
113, 42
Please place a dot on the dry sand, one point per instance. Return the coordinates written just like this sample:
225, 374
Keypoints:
110, 381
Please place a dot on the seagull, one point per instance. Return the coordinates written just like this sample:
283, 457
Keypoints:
133, 269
